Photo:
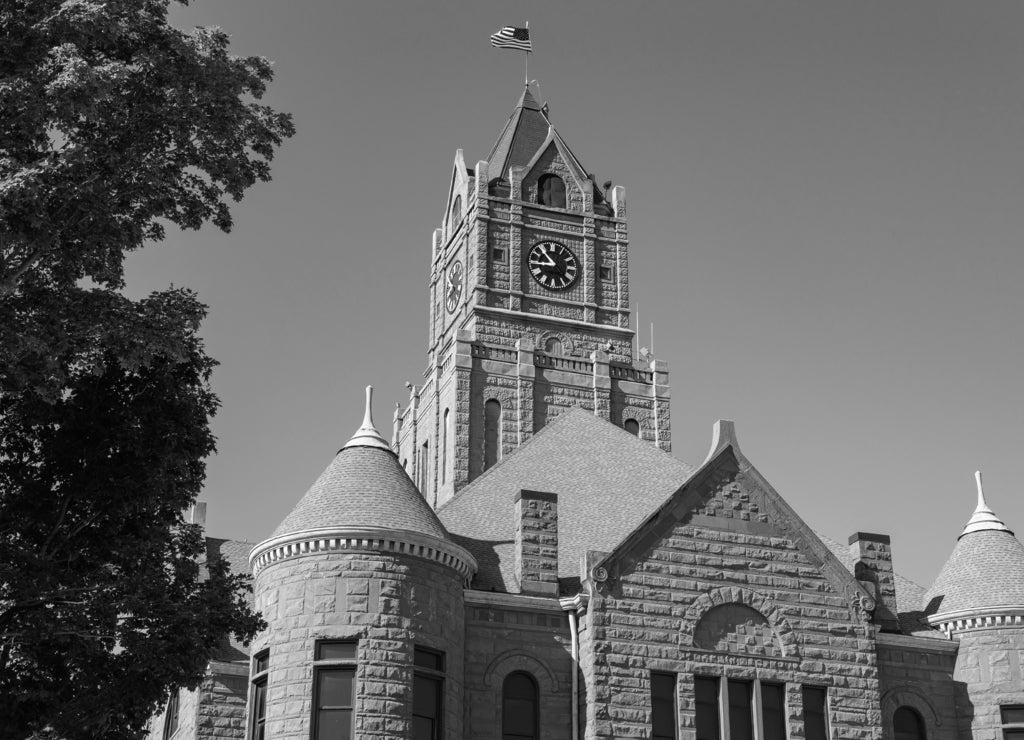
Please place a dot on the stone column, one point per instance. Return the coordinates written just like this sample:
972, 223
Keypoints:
660, 395
873, 568
463, 413
602, 385
525, 372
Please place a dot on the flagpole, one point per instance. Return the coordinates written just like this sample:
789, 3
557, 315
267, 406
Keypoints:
526, 78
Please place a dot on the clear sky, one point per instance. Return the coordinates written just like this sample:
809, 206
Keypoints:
826, 208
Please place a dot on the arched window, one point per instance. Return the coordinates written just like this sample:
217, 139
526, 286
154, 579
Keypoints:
632, 426
553, 346
908, 725
519, 715
456, 217
444, 446
551, 191
492, 433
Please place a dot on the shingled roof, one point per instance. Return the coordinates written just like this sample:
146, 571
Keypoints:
364, 486
985, 570
606, 479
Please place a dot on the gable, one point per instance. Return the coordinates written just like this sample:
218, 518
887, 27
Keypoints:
551, 160
730, 512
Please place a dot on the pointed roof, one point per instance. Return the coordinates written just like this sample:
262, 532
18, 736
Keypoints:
364, 486
606, 480
984, 572
525, 133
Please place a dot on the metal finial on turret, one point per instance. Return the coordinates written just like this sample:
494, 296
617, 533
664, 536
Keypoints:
367, 434
983, 518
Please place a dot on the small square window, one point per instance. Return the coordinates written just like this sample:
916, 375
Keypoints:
498, 254
606, 273
424, 658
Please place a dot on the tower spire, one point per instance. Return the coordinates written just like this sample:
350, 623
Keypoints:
983, 518
367, 434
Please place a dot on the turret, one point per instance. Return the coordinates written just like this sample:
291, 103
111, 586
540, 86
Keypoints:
361, 588
978, 599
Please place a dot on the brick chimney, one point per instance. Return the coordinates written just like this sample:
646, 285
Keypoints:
872, 556
537, 543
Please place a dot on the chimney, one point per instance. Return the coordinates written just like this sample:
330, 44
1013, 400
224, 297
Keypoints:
536, 563
872, 556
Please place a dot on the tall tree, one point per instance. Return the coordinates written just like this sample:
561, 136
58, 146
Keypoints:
112, 124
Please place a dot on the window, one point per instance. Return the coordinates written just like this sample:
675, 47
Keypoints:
553, 346
498, 254
519, 716
706, 695
663, 706
1013, 722
730, 710
815, 714
907, 724
334, 695
444, 445
171, 716
632, 426
606, 273
456, 217
551, 191
421, 474
258, 693
427, 694
492, 433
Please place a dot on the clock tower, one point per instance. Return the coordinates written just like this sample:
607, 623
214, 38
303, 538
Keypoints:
529, 312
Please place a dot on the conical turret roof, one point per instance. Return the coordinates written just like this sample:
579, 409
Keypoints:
365, 486
985, 570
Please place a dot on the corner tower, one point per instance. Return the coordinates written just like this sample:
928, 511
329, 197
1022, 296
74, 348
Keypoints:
528, 312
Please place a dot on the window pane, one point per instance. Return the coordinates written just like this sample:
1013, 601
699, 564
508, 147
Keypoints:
1013, 734
815, 725
492, 432
907, 724
334, 724
336, 650
706, 690
519, 707
426, 693
632, 426
773, 715
663, 706
741, 725
261, 663
334, 687
1012, 715
428, 659
424, 728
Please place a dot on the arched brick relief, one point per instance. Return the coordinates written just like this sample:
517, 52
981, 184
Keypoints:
736, 628
514, 660
568, 347
766, 608
907, 696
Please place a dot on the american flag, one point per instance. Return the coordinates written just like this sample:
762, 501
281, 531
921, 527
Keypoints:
511, 37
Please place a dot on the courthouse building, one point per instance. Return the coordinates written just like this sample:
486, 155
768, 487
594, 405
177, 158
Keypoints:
520, 557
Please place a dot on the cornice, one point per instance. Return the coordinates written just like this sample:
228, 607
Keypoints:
966, 620
325, 540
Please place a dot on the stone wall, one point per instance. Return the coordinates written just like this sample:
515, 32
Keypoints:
737, 551
989, 673
390, 603
502, 637
917, 672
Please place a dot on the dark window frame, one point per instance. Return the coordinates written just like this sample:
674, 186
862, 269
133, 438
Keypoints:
664, 707
534, 699
548, 197
606, 272
811, 731
1012, 727
920, 731
333, 664
429, 665
258, 674
736, 700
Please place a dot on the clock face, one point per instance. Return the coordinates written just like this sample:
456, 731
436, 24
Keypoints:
453, 288
553, 265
